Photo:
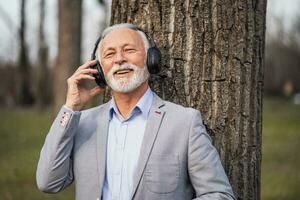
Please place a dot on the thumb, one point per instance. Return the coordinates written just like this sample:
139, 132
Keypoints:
96, 90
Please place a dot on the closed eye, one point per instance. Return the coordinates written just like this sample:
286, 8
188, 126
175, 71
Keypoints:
108, 55
130, 50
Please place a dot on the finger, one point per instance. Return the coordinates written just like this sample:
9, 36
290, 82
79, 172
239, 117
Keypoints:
96, 90
84, 77
87, 64
87, 71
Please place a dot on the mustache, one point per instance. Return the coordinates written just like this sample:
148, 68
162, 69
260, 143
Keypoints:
126, 66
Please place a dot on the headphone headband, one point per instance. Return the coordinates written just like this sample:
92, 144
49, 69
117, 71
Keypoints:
132, 27
93, 55
151, 41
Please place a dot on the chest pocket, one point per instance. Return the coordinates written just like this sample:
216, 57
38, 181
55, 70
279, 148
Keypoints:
162, 173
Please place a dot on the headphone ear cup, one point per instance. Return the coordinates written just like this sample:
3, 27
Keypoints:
153, 60
99, 78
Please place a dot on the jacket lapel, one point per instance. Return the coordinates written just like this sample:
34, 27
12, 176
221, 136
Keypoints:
153, 124
102, 133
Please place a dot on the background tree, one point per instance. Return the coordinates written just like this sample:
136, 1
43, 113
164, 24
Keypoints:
282, 59
24, 88
69, 47
43, 76
213, 53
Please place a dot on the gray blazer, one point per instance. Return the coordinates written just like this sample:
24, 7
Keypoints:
177, 160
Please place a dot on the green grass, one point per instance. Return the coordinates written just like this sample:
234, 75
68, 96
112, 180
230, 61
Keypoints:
281, 148
22, 134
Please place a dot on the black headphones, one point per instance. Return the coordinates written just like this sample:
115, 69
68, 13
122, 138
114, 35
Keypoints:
153, 58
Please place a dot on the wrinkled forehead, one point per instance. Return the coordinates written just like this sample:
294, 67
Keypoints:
120, 37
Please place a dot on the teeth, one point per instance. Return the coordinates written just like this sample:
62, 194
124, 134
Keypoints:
123, 71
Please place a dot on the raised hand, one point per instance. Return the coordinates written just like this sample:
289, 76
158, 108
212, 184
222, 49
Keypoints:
77, 94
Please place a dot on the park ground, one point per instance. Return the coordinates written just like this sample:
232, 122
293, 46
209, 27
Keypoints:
22, 132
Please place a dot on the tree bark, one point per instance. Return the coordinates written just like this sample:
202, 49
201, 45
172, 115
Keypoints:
213, 58
69, 47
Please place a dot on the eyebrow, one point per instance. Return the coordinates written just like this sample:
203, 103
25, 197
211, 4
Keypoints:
109, 49
113, 48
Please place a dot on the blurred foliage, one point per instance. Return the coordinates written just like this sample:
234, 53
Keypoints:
282, 69
23, 132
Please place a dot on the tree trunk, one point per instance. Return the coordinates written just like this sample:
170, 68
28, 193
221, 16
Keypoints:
43, 76
25, 97
69, 47
213, 58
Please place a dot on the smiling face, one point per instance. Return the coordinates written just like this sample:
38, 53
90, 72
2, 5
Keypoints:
122, 55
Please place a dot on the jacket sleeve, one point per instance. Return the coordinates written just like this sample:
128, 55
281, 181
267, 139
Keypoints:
55, 170
205, 169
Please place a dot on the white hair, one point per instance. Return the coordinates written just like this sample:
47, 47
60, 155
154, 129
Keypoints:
147, 43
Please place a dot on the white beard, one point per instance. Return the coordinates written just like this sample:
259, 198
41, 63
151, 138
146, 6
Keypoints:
127, 84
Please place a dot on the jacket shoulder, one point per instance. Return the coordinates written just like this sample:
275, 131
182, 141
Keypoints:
179, 109
93, 112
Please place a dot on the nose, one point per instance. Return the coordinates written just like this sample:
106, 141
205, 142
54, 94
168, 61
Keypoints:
120, 59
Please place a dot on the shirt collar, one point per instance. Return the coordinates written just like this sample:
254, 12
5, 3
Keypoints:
143, 105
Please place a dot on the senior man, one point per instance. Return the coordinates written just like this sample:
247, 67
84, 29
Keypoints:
136, 146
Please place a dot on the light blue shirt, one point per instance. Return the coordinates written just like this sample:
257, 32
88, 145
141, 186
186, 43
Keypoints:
125, 138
